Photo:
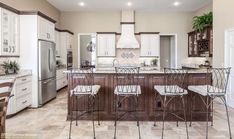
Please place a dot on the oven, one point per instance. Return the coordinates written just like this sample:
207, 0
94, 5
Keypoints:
69, 60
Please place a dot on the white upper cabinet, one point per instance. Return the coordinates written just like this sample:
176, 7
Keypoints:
66, 40
150, 45
57, 42
106, 45
9, 29
46, 29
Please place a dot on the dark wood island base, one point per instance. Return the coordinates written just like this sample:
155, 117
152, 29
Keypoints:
147, 104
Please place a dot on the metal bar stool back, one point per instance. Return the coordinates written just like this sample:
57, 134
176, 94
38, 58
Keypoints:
127, 80
174, 83
174, 80
215, 87
5, 94
82, 83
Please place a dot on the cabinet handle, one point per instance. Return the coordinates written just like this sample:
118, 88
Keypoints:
9, 48
24, 79
24, 102
13, 49
24, 89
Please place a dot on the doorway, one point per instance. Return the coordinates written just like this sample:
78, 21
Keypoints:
86, 50
168, 51
229, 62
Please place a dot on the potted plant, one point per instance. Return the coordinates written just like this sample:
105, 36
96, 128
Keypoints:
14, 66
10, 67
200, 22
155, 62
6, 67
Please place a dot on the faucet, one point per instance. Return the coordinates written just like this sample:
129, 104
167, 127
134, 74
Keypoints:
115, 63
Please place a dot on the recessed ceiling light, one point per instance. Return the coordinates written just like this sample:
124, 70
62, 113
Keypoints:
176, 3
129, 4
82, 4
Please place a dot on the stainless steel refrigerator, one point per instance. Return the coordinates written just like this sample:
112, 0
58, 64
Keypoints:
47, 71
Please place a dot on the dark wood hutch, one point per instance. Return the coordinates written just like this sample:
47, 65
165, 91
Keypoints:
200, 44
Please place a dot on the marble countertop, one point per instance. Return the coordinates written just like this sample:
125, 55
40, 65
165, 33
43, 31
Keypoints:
141, 71
21, 73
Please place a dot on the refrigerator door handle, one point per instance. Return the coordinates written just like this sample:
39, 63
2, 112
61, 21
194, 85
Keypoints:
49, 60
46, 82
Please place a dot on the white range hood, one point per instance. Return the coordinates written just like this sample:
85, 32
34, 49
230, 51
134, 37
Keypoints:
127, 38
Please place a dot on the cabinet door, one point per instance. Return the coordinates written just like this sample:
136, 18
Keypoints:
101, 45
57, 42
50, 31
145, 45
14, 34
154, 45
42, 28
46, 30
70, 41
5, 42
110, 45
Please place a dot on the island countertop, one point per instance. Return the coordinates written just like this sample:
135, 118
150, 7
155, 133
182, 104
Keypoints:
147, 106
109, 71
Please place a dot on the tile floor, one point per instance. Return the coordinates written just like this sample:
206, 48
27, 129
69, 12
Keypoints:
49, 122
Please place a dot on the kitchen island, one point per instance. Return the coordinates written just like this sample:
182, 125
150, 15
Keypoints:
148, 107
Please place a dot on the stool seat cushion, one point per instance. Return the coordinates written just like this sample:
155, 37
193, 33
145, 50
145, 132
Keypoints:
128, 90
172, 90
203, 90
85, 90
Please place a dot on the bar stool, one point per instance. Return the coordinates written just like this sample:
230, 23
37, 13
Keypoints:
5, 94
216, 87
83, 84
127, 88
174, 81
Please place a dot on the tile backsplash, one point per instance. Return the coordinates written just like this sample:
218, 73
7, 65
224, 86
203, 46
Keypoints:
6, 59
127, 57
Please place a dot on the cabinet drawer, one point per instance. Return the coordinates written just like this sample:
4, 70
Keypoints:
62, 82
23, 80
23, 89
23, 102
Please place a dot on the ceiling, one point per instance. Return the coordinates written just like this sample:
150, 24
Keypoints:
138, 5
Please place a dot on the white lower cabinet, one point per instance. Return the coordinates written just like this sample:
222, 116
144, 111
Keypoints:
21, 95
61, 79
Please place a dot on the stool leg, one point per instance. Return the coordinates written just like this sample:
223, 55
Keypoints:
116, 114
185, 119
98, 111
155, 106
207, 115
229, 127
93, 101
164, 111
212, 113
76, 111
138, 124
191, 109
71, 118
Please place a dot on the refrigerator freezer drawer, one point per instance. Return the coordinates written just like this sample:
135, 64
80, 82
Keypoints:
47, 90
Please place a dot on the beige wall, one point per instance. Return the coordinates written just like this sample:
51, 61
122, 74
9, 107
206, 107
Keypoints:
205, 9
91, 22
223, 19
40, 5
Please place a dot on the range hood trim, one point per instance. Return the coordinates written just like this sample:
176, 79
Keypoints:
128, 39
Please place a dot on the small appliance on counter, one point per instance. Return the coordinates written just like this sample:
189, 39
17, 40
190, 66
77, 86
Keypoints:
87, 64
